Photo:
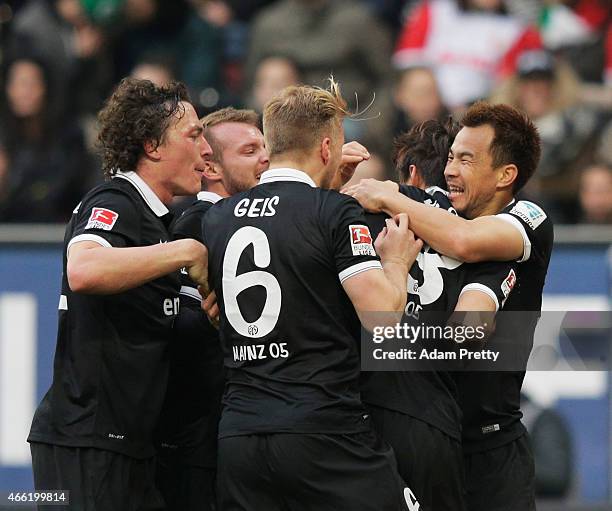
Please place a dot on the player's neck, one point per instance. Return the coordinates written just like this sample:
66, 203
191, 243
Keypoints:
163, 192
496, 204
215, 187
315, 172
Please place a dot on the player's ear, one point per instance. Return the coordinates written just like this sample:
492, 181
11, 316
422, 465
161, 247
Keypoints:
151, 150
212, 171
413, 177
326, 150
507, 175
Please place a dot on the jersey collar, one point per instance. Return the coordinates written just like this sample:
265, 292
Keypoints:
209, 197
145, 191
286, 174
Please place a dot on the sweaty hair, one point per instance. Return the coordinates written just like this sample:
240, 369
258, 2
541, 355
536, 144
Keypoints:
425, 146
136, 113
516, 139
225, 115
297, 118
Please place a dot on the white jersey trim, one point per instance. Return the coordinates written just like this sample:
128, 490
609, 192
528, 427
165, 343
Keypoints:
191, 292
209, 197
88, 237
506, 217
152, 200
286, 174
432, 189
63, 303
358, 268
474, 286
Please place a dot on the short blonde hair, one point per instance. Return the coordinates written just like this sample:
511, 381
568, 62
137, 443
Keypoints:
297, 118
222, 116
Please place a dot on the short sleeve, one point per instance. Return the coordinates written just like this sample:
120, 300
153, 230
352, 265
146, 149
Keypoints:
535, 228
351, 239
495, 279
109, 218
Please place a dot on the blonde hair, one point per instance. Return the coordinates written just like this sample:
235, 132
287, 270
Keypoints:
300, 115
222, 116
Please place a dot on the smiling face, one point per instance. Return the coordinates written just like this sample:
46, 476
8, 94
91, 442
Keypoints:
469, 173
182, 152
242, 155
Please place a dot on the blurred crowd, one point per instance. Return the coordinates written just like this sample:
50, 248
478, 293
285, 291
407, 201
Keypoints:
400, 62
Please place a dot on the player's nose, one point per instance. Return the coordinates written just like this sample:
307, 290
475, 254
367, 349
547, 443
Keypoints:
205, 149
450, 170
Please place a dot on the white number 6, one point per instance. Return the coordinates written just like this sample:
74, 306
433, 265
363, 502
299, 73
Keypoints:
234, 284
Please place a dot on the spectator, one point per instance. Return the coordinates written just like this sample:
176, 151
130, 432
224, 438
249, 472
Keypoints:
548, 92
46, 163
156, 69
330, 36
183, 34
468, 44
417, 98
72, 47
580, 30
272, 75
596, 194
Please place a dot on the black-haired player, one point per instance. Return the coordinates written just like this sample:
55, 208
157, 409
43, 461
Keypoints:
493, 156
92, 434
417, 411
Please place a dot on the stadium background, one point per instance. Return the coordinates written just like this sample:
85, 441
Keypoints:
75, 50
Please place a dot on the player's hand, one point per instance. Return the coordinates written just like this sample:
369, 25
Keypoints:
396, 242
371, 193
210, 307
198, 266
353, 153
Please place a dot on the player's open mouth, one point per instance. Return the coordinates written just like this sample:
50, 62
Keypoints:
455, 191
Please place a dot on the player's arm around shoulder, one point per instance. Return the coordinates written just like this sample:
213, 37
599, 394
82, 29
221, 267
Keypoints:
386, 291
487, 238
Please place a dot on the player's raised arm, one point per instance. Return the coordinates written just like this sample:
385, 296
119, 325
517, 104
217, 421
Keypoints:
486, 238
385, 291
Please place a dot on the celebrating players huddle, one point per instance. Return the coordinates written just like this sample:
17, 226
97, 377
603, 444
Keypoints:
259, 403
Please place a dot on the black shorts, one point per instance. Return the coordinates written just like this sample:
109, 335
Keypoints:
98, 480
501, 479
429, 461
294, 472
185, 487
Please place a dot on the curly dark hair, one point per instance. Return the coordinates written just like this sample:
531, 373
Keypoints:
137, 112
425, 146
516, 139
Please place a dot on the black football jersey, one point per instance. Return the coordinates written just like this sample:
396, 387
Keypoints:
491, 400
278, 255
435, 283
111, 364
192, 408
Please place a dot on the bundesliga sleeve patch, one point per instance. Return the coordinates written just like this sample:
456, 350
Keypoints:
529, 213
102, 218
508, 283
361, 240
